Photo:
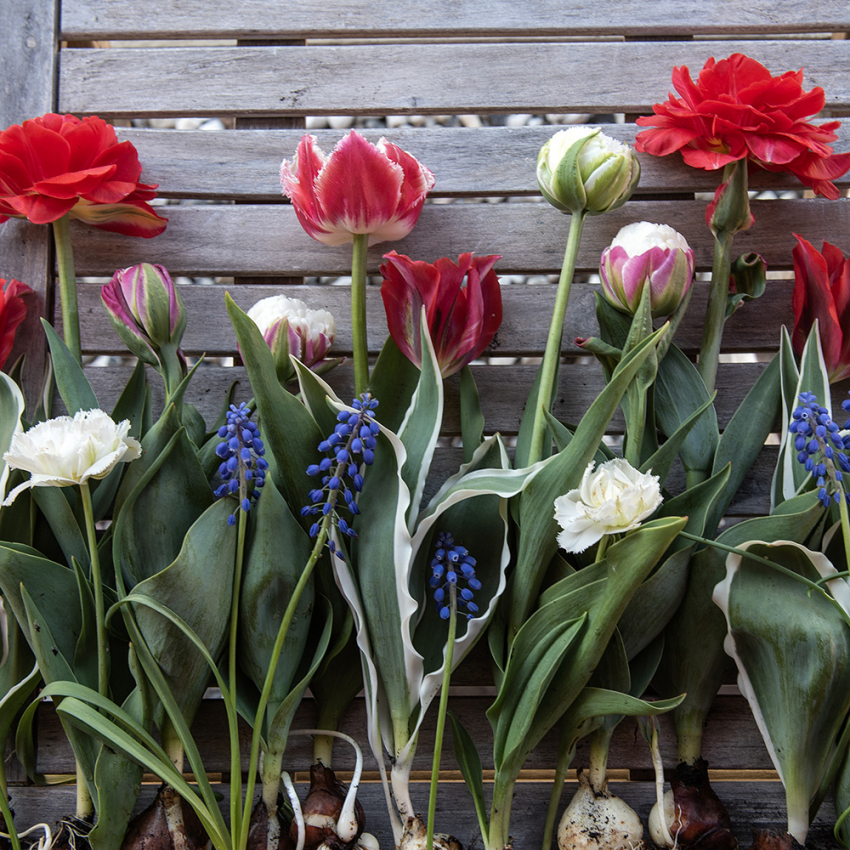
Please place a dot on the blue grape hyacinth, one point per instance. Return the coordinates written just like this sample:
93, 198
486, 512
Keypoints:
349, 449
820, 448
243, 467
452, 567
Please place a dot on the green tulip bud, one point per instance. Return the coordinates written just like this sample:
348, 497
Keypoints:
581, 170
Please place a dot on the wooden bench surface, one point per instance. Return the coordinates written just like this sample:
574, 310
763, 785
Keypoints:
268, 66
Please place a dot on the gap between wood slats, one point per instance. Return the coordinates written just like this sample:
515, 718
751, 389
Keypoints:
260, 240
83, 19
526, 311
456, 78
489, 161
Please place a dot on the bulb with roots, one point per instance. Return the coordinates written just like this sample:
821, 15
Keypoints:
596, 819
415, 837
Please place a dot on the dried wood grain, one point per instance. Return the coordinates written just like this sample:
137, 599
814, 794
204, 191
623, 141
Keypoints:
414, 79
492, 161
526, 309
94, 19
259, 240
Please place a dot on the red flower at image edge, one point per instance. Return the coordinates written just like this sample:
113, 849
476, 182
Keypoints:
737, 110
13, 311
822, 292
59, 164
462, 301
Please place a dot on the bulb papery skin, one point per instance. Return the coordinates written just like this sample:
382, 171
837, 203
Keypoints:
695, 815
599, 820
322, 809
415, 835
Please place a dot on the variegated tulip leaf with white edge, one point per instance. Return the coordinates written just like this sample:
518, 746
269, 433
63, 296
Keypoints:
793, 659
812, 376
11, 409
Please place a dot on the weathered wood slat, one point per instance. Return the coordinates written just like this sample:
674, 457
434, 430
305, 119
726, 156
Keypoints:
496, 161
503, 390
261, 240
732, 740
757, 805
527, 311
96, 19
409, 79
28, 72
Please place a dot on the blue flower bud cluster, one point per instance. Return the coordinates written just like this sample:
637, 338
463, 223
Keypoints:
452, 564
820, 448
355, 434
243, 467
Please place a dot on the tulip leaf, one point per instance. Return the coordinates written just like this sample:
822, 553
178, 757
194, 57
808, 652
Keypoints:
679, 392
393, 382
288, 428
793, 659
471, 417
694, 662
11, 409
469, 762
53, 504
538, 529
277, 550
197, 587
315, 394
787, 466
73, 386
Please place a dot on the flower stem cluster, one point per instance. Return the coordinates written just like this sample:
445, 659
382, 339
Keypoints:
814, 432
243, 467
450, 564
355, 434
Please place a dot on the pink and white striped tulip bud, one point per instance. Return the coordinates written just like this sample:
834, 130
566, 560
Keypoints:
644, 253
290, 327
147, 311
581, 170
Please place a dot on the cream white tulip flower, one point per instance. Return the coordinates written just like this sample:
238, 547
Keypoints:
69, 450
611, 499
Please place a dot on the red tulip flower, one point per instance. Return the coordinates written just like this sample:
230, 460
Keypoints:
360, 188
822, 292
13, 311
463, 306
60, 164
737, 110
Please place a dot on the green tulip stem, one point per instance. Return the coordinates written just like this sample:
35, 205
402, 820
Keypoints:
67, 285
97, 587
715, 314
566, 753
441, 716
8, 817
813, 586
84, 806
358, 312
288, 616
171, 369
552, 355
235, 754
602, 547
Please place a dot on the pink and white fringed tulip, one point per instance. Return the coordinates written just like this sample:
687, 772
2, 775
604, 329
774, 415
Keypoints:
641, 253
360, 188
462, 301
289, 327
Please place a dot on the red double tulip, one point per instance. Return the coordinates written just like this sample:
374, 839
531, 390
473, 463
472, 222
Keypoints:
822, 292
462, 301
59, 164
737, 110
13, 311
359, 188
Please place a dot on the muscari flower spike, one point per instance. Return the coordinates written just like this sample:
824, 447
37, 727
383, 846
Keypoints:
451, 565
342, 473
243, 467
820, 447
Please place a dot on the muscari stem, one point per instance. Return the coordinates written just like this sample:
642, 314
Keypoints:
715, 314
67, 285
275, 657
441, 716
552, 354
358, 312
97, 587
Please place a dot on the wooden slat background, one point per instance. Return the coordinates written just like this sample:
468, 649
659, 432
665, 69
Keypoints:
273, 63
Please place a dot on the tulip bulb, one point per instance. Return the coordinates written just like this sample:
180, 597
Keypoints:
415, 834
599, 820
322, 810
